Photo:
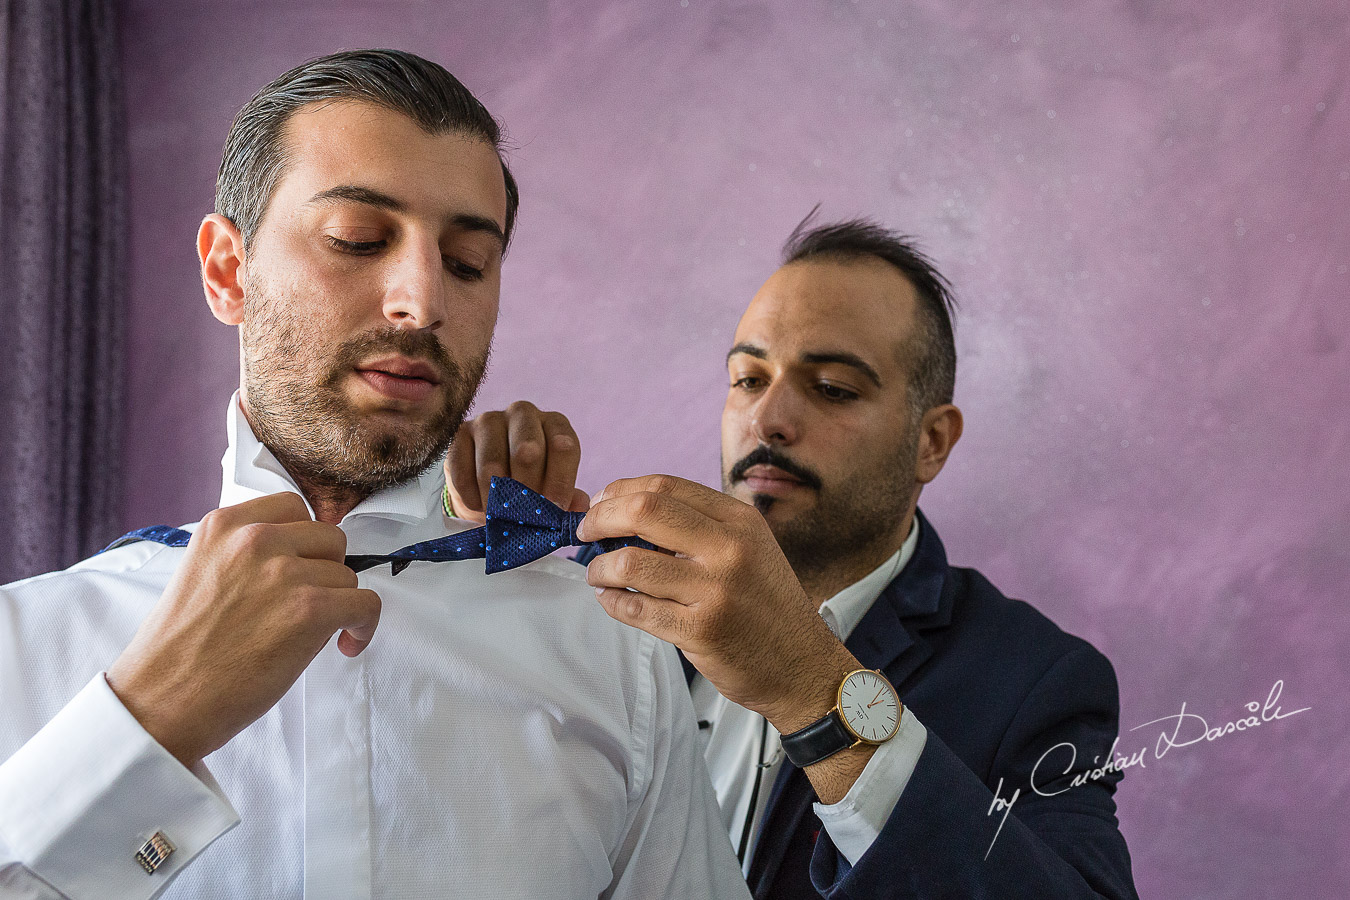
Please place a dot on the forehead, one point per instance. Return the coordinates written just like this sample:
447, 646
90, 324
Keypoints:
862, 306
363, 144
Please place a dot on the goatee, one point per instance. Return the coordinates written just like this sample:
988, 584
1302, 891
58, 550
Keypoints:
325, 444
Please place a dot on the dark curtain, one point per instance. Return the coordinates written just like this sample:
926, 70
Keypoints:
62, 276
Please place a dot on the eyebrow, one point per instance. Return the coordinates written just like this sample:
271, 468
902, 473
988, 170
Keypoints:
841, 357
354, 194
351, 193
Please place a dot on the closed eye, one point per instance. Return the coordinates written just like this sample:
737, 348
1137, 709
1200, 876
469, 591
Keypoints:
834, 393
463, 270
356, 248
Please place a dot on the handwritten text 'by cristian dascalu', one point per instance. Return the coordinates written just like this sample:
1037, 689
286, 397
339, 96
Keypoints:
1183, 729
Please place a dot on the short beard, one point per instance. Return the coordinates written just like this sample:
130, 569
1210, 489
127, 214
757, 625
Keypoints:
852, 521
335, 454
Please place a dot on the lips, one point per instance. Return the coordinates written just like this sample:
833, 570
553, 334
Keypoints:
402, 367
767, 479
400, 378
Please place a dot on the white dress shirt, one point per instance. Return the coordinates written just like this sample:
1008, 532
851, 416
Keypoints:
739, 743
500, 737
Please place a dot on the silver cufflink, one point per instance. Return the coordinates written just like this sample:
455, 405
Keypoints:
154, 852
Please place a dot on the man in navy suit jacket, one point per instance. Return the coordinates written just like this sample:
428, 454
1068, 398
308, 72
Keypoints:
998, 686
997, 780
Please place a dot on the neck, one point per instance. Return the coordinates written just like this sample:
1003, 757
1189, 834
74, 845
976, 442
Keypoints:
330, 502
821, 582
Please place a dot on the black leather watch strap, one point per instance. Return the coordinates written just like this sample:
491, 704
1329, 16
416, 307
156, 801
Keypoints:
821, 739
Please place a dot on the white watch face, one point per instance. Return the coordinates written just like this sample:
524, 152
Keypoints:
869, 707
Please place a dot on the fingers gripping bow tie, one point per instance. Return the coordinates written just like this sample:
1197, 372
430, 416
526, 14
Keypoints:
522, 526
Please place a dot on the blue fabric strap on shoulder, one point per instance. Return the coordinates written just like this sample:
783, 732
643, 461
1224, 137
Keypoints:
160, 534
522, 526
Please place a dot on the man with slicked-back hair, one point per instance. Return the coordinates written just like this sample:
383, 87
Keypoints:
231, 710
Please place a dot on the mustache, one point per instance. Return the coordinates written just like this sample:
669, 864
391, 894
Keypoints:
763, 455
418, 345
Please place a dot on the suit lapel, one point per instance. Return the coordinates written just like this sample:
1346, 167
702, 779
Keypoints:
889, 637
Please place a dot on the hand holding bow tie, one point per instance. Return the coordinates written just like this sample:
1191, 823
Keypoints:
723, 592
727, 597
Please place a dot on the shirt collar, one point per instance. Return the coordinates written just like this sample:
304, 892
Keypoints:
845, 610
250, 470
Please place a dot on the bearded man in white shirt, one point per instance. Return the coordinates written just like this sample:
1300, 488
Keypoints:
180, 721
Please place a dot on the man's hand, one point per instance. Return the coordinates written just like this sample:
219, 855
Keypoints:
728, 598
260, 591
539, 449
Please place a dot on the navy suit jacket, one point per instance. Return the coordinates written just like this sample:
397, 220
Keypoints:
1000, 688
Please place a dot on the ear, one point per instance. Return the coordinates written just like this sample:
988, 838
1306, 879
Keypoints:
938, 433
220, 247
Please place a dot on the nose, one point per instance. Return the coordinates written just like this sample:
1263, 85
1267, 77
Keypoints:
776, 417
415, 291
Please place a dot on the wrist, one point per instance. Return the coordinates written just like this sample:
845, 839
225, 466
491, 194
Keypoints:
814, 694
147, 713
867, 714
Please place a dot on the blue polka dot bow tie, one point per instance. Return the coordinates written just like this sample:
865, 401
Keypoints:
522, 526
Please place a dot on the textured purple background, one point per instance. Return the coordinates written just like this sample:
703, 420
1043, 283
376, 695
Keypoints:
1142, 206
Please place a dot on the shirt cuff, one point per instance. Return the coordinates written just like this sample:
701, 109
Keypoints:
855, 821
87, 791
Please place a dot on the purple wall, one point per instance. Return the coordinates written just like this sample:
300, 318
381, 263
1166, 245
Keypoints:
1142, 206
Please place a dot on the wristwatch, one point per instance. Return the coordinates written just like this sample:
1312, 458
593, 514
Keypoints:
866, 711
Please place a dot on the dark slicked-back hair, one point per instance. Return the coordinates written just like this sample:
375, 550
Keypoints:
256, 155
932, 348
